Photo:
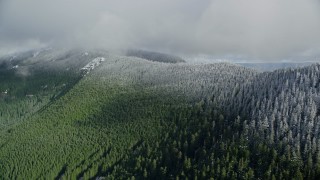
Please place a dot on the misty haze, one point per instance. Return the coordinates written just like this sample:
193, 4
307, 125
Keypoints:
159, 89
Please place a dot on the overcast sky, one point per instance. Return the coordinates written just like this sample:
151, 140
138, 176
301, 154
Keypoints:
256, 29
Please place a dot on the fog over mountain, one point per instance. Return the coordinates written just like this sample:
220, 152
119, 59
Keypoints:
160, 89
267, 30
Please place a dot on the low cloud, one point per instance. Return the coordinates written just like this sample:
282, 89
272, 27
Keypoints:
254, 29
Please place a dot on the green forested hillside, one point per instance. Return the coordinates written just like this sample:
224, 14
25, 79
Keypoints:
77, 132
78, 115
85, 131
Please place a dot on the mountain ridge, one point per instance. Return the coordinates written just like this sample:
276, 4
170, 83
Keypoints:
90, 128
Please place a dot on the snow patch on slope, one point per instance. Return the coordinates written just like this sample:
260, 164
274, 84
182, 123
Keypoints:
92, 65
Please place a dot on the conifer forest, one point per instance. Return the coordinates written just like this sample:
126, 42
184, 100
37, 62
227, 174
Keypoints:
123, 117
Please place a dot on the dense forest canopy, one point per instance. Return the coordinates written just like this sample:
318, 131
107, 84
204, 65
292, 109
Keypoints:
71, 114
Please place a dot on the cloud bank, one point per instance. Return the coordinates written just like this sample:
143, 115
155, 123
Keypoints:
256, 29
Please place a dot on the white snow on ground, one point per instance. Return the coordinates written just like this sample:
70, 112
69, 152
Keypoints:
93, 64
15, 67
36, 54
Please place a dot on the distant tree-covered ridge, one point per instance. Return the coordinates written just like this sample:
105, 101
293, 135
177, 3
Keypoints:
155, 56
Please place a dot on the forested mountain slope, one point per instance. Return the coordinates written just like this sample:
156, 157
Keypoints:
283, 112
103, 115
31, 80
275, 136
272, 66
